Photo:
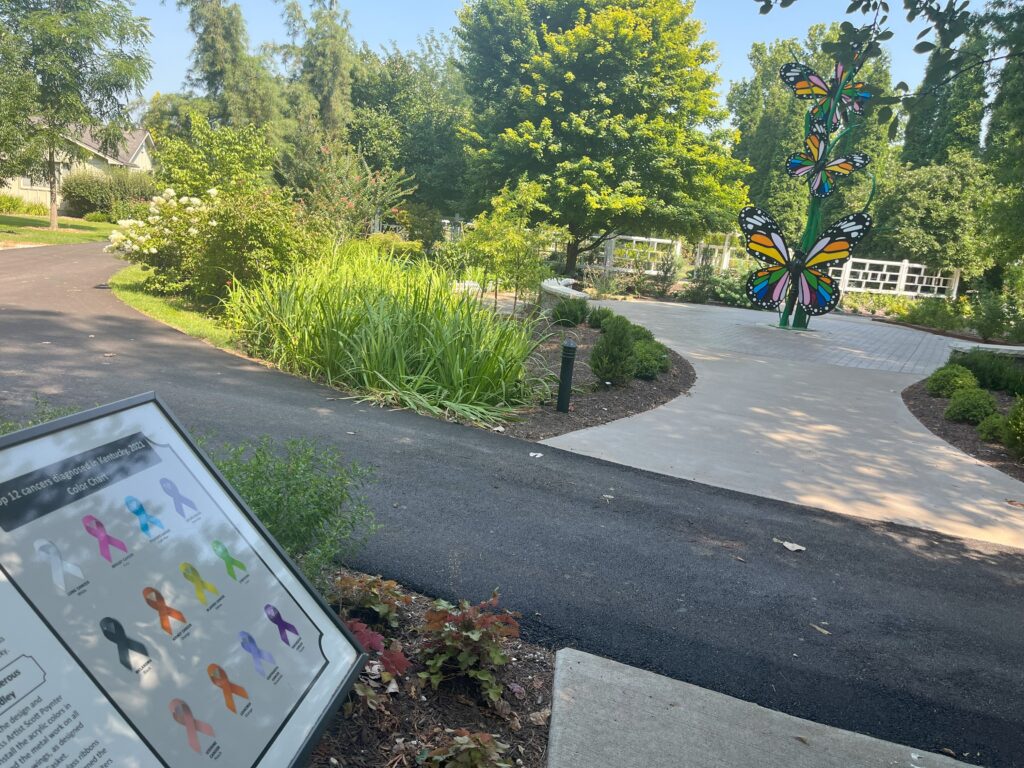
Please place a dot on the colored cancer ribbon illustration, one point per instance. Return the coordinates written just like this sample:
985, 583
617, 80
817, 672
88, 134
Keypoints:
114, 632
202, 586
180, 500
220, 678
47, 550
156, 601
283, 627
96, 529
257, 653
182, 714
222, 552
145, 519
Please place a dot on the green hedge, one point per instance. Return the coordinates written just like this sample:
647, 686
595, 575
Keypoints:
993, 370
88, 191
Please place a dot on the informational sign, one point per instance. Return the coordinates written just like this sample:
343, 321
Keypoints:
148, 619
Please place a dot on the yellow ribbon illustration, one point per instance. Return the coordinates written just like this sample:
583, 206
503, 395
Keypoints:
202, 586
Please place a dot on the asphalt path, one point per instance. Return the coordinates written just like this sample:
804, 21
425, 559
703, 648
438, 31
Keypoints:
924, 643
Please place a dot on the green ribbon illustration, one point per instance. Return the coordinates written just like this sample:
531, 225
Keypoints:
222, 552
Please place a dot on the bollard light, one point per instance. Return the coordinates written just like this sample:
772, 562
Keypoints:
565, 378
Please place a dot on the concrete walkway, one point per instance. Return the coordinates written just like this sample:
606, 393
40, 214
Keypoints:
814, 418
610, 714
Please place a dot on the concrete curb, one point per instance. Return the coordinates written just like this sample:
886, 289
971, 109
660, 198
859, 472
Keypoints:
609, 715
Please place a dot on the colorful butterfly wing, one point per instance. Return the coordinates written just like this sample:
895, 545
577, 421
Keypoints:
803, 163
804, 81
817, 293
844, 166
767, 288
764, 238
855, 96
838, 241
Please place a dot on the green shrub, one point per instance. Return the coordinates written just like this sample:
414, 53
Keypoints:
948, 379
940, 314
990, 315
393, 330
569, 312
650, 358
970, 406
611, 359
200, 246
993, 370
1013, 435
389, 242
467, 641
86, 191
382, 597
14, 204
598, 315
97, 216
992, 428
305, 496
639, 333
122, 210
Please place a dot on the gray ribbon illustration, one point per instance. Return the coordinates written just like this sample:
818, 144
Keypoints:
114, 632
47, 550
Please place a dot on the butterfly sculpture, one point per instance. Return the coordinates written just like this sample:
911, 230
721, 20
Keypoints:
837, 98
787, 270
815, 166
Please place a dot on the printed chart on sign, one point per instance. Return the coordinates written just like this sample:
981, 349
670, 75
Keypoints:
165, 594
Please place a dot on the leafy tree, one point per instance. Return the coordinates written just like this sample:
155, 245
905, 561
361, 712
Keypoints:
168, 114
87, 59
208, 157
328, 62
409, 110
610, 106
18, 94
936, 216
947, 118
771, 127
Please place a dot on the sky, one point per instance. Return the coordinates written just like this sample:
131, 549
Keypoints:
732, 24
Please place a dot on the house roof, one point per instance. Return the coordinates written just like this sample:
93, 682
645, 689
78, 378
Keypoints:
126, 153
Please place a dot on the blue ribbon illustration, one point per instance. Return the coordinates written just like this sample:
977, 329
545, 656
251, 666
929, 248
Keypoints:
145, 519
180, 500
257, 653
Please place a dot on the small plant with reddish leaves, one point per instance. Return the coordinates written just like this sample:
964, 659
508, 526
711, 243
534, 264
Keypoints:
380, 677
466, 750
467, 641
372, 593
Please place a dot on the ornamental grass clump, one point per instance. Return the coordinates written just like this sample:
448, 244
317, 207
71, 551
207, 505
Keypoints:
391, 329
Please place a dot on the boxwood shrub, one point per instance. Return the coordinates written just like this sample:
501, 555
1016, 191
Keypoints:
948, 379
970, 406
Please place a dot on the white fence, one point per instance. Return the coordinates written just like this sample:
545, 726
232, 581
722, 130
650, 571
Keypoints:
902, 278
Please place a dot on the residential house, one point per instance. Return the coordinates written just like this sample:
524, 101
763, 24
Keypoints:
134, 153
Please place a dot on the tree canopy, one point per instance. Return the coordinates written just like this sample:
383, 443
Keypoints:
609, 106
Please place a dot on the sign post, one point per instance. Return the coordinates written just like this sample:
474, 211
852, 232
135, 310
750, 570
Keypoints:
148, 617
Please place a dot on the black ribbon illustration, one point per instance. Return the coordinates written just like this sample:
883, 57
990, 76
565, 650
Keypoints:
114, 632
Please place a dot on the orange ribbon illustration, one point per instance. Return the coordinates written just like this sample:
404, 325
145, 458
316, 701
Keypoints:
156, 601
220, 678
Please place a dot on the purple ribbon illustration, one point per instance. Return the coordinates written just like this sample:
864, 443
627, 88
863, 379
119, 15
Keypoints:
96, 529
180, 500
257, 653
145, 519
283, 627
47, 550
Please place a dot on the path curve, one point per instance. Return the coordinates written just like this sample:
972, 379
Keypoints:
677, 577
812, 418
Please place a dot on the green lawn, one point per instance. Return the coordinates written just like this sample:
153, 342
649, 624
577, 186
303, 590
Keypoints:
179, 313
19, 228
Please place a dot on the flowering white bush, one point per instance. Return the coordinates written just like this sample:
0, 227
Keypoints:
197, 246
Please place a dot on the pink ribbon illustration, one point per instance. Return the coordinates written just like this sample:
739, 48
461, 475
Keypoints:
182, 714
95, 529
283, 627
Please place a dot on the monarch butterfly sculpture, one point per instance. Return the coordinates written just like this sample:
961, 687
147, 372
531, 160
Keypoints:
797, 278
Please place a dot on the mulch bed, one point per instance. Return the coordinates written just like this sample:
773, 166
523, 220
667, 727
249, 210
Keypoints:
592, 402
416, 718
929, 411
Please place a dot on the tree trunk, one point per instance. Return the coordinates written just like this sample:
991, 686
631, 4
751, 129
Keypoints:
572, 255
52, 173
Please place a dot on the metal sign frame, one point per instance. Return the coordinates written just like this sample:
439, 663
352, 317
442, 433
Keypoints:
301, 759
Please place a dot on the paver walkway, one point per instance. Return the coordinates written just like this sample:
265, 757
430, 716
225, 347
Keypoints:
810, 417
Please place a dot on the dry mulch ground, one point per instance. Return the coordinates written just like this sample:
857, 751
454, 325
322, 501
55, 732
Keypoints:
415, 717
929, 412
592, 402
